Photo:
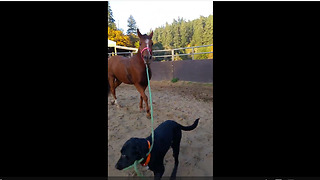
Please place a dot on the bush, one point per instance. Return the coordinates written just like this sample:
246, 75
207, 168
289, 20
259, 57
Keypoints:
174, 80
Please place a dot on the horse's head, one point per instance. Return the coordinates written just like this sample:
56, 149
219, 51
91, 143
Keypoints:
145, 46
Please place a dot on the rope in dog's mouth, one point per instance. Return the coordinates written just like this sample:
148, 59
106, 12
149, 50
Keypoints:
152, 135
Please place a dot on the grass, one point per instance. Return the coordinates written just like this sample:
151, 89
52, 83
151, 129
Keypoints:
174, 80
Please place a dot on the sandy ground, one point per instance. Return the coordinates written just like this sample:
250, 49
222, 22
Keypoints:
181, 101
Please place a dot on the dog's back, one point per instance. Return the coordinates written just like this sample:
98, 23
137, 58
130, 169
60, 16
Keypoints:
167, 129
167, 132
169, 125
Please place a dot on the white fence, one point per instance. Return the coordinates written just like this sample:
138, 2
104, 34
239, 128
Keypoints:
172, 55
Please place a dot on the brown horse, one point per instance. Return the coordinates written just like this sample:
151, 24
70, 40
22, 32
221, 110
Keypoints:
132, 70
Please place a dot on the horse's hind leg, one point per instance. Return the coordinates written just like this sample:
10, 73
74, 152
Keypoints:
114, 83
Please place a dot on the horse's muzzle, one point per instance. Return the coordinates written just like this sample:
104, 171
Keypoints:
149, 57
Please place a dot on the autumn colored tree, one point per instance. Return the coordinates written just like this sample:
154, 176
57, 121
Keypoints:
118, 37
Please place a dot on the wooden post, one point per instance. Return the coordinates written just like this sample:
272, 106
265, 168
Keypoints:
115, 50
192, 53
172, 53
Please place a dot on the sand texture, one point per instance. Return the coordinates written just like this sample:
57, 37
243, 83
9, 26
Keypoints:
182, 102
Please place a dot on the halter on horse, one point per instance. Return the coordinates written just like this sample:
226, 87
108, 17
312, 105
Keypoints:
132, 70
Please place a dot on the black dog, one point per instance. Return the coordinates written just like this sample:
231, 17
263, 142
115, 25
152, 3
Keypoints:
165, 135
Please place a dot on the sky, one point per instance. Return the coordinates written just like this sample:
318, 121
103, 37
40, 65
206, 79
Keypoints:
152, 14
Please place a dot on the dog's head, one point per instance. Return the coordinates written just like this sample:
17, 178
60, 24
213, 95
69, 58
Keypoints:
131, 151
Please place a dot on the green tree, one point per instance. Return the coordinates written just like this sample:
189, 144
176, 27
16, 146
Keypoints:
168, 39
198, 26
176, 34
208, 30
134, 39
111, 21
184, 30
183, 33
132, 26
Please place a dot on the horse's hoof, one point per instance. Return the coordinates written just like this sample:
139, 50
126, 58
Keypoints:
118, 106
148, 116
112, 102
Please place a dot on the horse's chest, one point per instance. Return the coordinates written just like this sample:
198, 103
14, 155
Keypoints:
140, 77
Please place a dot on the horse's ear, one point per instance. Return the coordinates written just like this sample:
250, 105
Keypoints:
139, 34
151, 34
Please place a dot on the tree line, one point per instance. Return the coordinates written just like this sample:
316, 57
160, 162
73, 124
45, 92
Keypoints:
180, 33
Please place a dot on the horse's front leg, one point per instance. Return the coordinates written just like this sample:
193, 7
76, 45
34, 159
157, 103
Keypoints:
141, 90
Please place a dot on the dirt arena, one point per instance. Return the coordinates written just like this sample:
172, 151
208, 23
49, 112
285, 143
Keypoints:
181, 101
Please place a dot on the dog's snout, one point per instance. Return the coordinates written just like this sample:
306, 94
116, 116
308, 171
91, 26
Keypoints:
118, 166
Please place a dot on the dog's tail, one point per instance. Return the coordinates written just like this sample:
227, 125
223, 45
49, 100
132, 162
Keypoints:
189, 128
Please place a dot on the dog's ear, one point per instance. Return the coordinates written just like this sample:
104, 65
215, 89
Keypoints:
141, 148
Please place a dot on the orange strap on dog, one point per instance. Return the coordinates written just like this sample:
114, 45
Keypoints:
148, 157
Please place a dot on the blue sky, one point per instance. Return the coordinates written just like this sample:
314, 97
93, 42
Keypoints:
153, 14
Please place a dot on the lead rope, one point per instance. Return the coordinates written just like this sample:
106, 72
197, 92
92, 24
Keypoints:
152, 135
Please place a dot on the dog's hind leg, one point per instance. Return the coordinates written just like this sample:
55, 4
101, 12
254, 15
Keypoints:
176, 148
159, 172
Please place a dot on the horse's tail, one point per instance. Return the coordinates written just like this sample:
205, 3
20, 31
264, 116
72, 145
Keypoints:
189, 128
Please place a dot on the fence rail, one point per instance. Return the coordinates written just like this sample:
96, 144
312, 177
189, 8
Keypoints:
192, 53
120, 53
172, 52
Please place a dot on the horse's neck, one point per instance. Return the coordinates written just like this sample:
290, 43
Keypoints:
137, 59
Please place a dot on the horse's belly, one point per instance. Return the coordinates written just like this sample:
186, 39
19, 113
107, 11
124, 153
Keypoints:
124, 77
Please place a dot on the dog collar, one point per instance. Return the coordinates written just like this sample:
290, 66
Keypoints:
148, 157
